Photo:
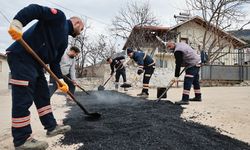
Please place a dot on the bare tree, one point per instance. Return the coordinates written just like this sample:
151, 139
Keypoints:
91, 52
132, 15
100, 50
218, 14
80, 42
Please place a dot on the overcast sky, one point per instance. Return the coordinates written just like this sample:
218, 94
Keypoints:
98, 13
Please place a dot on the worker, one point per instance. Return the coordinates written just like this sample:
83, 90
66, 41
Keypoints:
145, 64
117, 63
68, 69
48, 37
186, 57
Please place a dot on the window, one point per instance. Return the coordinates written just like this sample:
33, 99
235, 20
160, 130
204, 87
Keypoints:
185, 40
161, 63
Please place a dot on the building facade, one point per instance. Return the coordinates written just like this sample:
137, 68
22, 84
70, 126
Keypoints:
4, 72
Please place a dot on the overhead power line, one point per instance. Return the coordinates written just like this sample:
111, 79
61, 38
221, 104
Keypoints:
5, 17
97, 20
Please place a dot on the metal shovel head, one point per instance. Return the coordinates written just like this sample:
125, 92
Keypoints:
100, 88
93, 116
126, 85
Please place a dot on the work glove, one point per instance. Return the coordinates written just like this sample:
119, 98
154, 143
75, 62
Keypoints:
139, 71
74, 82
64, 88
15, 29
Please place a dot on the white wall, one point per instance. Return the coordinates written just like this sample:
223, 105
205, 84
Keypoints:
195, 34
4, 74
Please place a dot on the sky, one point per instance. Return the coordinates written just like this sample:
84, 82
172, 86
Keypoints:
97, 13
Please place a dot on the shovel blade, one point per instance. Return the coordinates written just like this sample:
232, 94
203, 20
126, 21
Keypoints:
101, 88
93, 116
126, 85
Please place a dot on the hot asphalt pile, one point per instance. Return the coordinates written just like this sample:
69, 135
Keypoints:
130, 123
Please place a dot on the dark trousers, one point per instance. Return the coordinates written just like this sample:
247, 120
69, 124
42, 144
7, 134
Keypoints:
148, 71
191, 78
28, 85
120, 72
53, 85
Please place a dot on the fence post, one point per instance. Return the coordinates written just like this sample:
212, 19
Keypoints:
210, 75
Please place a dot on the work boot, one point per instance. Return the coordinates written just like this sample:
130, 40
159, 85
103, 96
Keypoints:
60, 129
143, 95
182, 102
195, 99
33, 144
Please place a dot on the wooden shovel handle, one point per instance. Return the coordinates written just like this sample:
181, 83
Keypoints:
29, 50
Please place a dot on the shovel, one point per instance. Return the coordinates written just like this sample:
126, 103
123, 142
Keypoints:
126, 85
169, 86
76, 84
159, 39
101, 87
91, 116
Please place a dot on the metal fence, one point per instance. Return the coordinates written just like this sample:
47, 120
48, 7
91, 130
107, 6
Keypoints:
234, 66
236, 57
225, 72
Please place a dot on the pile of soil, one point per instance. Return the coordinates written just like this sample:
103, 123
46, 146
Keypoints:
133, 123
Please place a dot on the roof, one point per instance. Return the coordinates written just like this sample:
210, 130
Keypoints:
156, 28
3, 55
202, 22
148, 28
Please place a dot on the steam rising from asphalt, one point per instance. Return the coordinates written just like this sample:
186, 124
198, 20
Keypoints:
111, 97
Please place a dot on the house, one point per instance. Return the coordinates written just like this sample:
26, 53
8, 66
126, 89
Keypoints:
144, 38
192, 32
221, 46
4, 72
244, 35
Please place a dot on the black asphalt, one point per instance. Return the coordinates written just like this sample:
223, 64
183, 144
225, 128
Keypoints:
130, 123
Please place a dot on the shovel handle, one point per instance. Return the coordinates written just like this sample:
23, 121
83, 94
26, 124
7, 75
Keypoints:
30, 51
112, 74
159, 39
170, 85
82, 89
107, 80
78, 103
76, 84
